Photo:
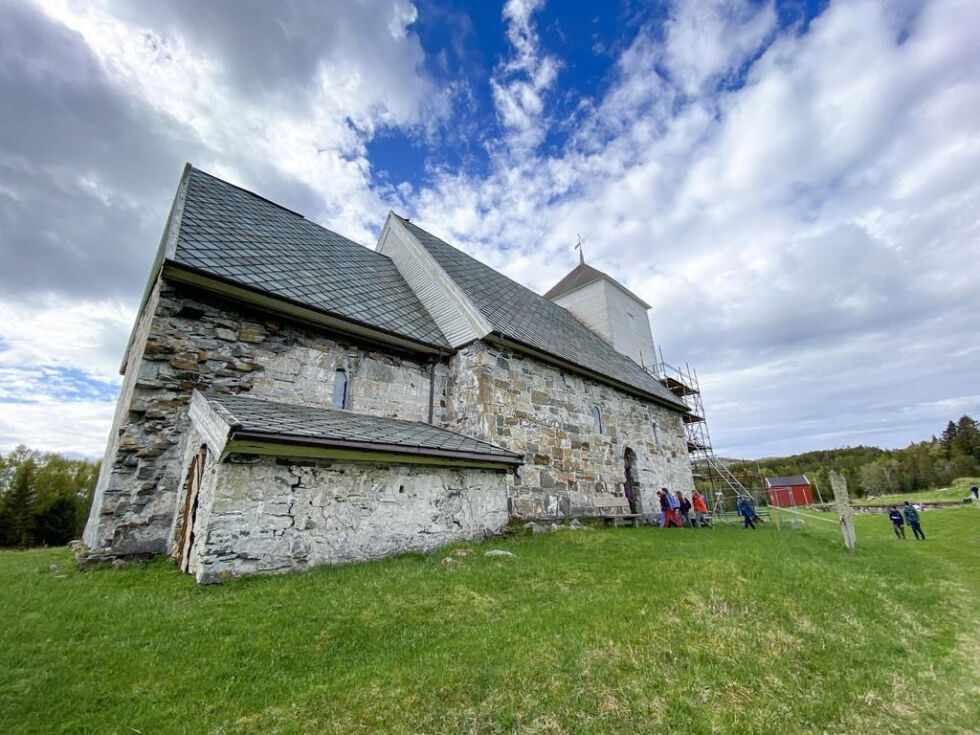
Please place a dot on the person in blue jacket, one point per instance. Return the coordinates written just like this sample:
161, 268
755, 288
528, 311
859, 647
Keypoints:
747, 512
912, 518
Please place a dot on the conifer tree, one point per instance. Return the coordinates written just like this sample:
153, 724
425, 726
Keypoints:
18, 506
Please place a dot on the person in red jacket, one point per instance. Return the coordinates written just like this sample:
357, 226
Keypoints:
673, 507
700, 508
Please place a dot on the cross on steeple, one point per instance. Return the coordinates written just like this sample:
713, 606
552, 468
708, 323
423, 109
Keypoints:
581, 252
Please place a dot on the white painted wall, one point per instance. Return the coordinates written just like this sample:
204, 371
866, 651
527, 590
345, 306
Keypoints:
588, 305
452, 312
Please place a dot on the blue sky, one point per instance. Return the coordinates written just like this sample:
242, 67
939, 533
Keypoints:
791, 185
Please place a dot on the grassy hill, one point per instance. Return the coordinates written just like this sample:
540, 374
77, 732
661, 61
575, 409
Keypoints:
604, 631
959, 489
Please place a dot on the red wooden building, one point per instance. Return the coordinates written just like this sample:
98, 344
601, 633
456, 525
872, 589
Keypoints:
785, 492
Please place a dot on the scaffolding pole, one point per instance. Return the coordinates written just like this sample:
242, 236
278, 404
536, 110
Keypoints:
718, 482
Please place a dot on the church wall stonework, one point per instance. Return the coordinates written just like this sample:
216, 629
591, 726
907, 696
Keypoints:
186, 340
270, 516
529, 406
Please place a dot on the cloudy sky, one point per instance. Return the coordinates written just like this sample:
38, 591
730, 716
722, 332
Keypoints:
794, 186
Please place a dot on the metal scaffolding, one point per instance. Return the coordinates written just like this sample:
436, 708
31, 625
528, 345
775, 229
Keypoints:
712, 476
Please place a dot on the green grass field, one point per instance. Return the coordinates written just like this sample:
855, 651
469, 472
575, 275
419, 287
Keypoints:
600, 631
956, 492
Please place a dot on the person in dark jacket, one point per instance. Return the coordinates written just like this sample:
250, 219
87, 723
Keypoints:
662, 495
745, 508
898, 523
912, 518
685, 509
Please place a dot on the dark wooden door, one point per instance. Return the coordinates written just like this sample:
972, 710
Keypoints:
195, 474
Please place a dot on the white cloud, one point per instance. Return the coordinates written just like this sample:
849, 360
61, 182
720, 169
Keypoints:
520, 83
77, 428
367, 76
708, 40
54, 332
59, 372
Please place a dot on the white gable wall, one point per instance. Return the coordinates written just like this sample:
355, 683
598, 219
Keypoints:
614, 315
453, 313
588, 305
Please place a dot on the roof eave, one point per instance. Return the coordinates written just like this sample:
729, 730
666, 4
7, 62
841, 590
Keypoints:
245, 440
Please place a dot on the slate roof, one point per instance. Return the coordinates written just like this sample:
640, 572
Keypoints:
582, 275
786, 481
519, 314
240, 237
259, 419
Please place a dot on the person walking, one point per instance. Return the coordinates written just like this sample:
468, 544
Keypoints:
898, 523
912, 518
685, 509
747, 511
700, 509
662, 496
673, 505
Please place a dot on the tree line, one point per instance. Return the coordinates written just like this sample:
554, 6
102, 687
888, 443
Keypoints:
44, 497
872, 471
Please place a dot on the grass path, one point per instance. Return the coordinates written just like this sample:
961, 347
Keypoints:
601, 631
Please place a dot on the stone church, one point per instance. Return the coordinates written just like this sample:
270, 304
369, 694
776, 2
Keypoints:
292, 398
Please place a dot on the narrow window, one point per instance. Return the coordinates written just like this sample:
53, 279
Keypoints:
597, 419
656, 434
340, 392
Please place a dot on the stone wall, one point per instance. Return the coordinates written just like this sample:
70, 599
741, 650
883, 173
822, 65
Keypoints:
267, 515
187, 340
529, 406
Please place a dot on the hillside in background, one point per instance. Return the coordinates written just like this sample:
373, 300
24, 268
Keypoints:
870, 470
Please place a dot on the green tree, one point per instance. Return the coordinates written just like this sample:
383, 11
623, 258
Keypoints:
55, 525
967, 439
18, 506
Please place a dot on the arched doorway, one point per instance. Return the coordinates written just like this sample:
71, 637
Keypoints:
632, 484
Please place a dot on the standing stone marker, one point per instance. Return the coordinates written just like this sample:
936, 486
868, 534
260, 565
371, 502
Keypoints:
839, 484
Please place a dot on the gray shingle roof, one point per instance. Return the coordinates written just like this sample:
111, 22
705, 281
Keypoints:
521, 315
257, 418
238, 236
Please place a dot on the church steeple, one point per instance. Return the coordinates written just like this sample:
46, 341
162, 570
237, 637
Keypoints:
608, 308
